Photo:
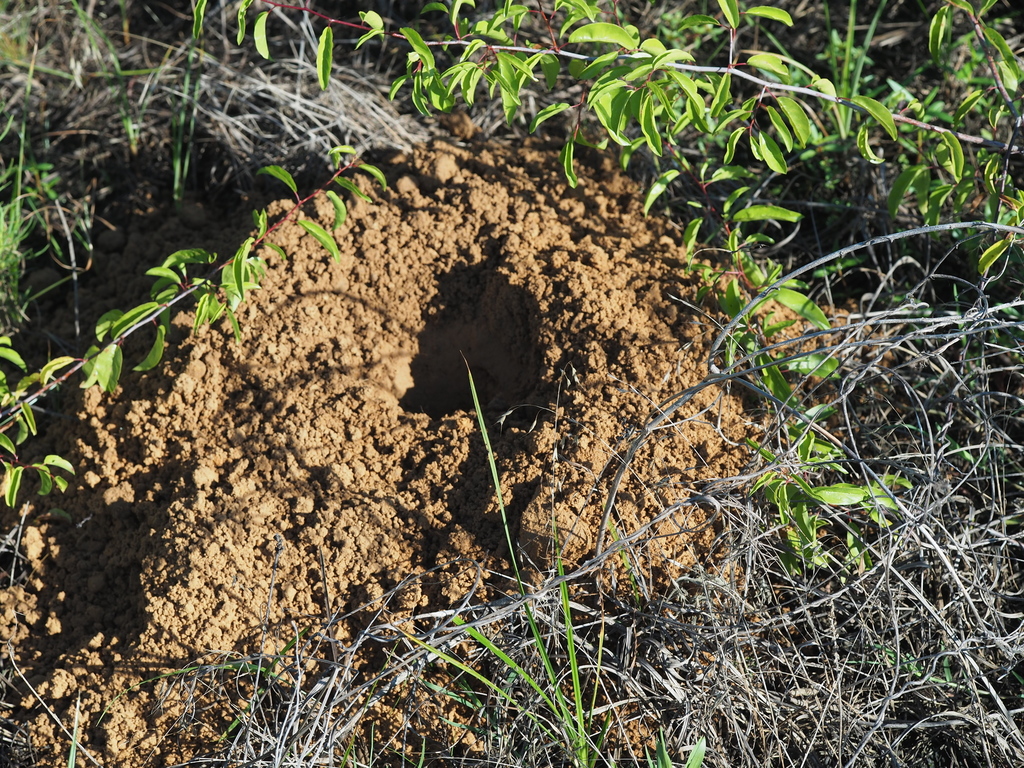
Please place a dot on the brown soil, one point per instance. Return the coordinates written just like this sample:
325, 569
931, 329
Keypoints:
339, 440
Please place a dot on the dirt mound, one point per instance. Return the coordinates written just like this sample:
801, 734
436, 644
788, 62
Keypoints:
334, 452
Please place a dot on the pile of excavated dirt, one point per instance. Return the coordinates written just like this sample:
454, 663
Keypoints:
339, 436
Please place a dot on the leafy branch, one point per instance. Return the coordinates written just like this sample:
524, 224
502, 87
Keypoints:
649, 85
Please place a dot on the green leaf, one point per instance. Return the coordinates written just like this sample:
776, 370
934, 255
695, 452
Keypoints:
239, 274
878, 111
654, 46
730, 201
204, 310
376, 172
597, 66
951, 155
770, 62
797, 119
603, 32
337, 154
48, 370
260, 35
921, 183
515, 68
366, 38
52, 460
340, 211
696, 20
781, 129
776, 383
731, 300
731, 12
824, 85
457, 6
243, 7
106, 321
45, 479
997, 40
130, 318
321, 235
372, 19
104, 369
566, 158
470, 84
547, 113
648, 124
7, 444
865, 147
767, 12
840, 494
12, 482
156, 352
421, 48
690, 236
900, 187
771, 154
351, 187
280, 174
8, 354
991, 255
696, 758
751, 270
658, 188
190, 256
938, 31
235, 327
550, 65
765, 212
277, 249
325, 57
814, 364
729, 173
730, 149
723, 94
966, 106
509, 85
671, 56
936, 199
165, 273
614, 108
197, 18
802, 305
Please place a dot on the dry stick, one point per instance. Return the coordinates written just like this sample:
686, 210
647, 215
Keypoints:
74, 272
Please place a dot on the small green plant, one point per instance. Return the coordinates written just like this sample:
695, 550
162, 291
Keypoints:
853, 513
662, 759
27, 199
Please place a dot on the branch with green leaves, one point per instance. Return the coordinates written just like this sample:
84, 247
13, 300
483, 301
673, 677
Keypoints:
646, 94
103, 362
